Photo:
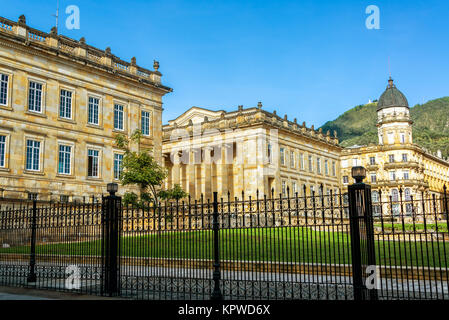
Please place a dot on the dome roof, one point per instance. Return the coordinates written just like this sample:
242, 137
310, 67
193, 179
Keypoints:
392, 97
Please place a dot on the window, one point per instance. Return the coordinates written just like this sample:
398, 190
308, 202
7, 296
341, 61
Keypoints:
402, 138
310, 164
326, 167
375, 196
2, 150
404, 157
355, 162
284, 188
409, 204
372, 160
64, 198
407, 194
345, 179
294, 187
394, 195
392, 175
282, 153
395, 200
270, 152
118, 159
292, 159
92, 163
32, 155
373, 177
318, 165
35, 97
65, 104
333, 169
391, 158
32, 196
65, 153
93, 111
118, 117
301, 161
145, 123
4, 89
406, 175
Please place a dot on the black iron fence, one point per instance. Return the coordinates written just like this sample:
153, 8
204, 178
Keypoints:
322, 246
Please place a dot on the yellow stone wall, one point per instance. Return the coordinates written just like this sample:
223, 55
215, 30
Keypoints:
85, 71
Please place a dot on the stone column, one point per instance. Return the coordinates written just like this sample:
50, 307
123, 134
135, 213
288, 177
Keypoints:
206, 172
176, 169
239, 163
190, 174
222, 172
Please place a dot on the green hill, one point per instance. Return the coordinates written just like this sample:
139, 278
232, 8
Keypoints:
430, 127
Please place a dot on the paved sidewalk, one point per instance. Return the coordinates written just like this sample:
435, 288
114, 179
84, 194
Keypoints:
11, 293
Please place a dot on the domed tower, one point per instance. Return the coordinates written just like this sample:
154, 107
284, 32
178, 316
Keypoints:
394, 125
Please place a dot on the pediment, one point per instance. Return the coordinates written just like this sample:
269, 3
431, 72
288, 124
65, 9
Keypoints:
197, 115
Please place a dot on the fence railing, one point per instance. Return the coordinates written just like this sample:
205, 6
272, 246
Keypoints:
289, 247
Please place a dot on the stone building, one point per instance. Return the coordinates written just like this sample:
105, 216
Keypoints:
248, 150
396, 162
61, 103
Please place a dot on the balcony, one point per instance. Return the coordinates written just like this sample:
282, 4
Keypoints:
372, 167
400, 182
401, 164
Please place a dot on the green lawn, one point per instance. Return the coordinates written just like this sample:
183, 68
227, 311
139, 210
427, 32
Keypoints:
409, 227
287, 244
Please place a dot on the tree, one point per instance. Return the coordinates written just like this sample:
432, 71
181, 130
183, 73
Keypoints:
176, 193
141, 169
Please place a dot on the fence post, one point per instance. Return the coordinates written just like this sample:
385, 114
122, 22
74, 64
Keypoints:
111, 214
216, 294
32, 273
362, 236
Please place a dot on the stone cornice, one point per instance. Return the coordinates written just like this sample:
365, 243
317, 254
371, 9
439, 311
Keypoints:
79, 52
253, 117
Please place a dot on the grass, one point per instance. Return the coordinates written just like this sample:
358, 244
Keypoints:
283, 244
409, 227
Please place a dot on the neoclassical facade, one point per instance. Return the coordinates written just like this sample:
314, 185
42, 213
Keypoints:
396, 162
254, 150
248, 150
62, 102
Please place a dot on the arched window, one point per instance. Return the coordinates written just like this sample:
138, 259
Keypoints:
394, 195
408, 204
395, 200
407, 194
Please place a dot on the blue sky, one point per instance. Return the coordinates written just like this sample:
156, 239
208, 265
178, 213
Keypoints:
312, 60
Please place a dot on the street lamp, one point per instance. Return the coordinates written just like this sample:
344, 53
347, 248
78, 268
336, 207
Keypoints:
112, 188
358, 173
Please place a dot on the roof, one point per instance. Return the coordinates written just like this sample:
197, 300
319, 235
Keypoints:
392, 97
